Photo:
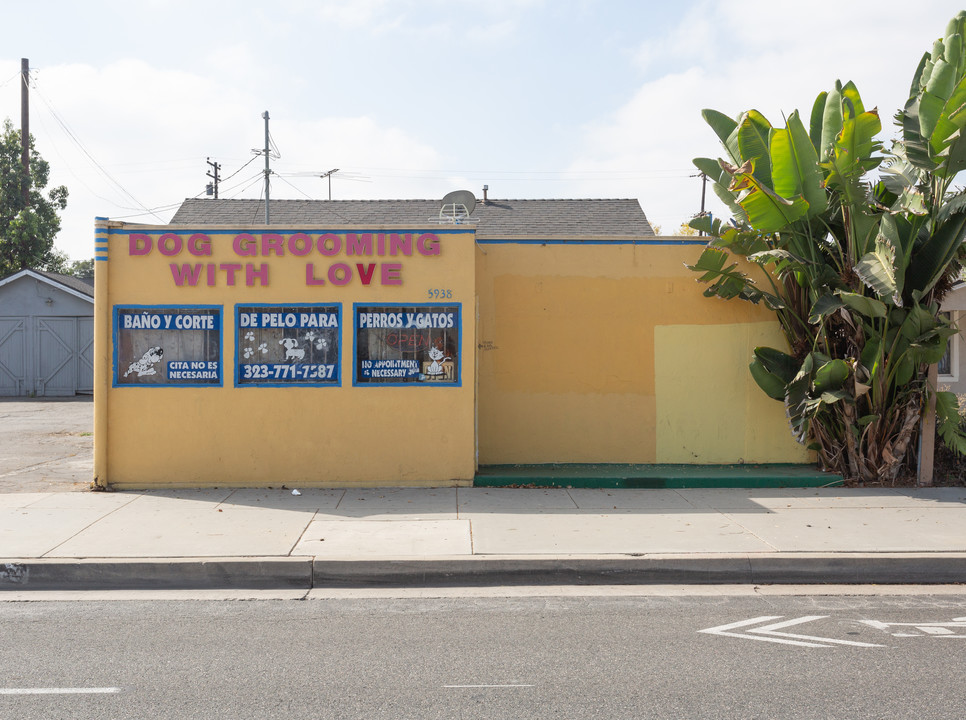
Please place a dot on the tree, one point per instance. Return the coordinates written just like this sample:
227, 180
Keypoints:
27, 225
853, 266
82, 268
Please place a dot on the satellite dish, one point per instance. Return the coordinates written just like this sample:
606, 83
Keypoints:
458, 198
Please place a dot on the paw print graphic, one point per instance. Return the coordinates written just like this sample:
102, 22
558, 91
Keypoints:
310, 335
249, 352
321, 343
263, 348
250, 336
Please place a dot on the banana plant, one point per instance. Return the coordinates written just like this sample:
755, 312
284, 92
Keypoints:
854, 267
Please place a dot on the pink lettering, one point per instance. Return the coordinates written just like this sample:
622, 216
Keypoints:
245, 244
199, 244
139, 244
403, 243
366, 272
170, 244
340, 274
186, 274
251, 273
391, 273
310, 278
428, 244
329, 238
358, 244
300, 244
230, 269
271, 241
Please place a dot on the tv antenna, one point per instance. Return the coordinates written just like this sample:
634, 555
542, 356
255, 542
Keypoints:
328, 174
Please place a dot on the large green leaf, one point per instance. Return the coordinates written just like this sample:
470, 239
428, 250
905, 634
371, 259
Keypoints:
851, 92
866, 306
884, 268
778, 363
831, 122
720, 181
915, 144
727, 282
753, 131
773, 385
852, 155
815, 125
930, 261
951, 117
877, 269
795, 169
950, 423
765, 210
724, 127
823, 307
712, 169
831, 376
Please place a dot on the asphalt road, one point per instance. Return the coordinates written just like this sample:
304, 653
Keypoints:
478, 657
46, 444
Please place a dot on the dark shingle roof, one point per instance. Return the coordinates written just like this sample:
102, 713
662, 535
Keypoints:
81, 285
508, 219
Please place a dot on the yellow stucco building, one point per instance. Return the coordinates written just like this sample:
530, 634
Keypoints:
376, 343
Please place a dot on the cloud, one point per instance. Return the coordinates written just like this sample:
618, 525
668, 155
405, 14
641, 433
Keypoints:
734, 56
130, 136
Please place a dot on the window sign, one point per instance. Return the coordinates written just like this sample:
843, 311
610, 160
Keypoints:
287, 345
407, 344
166, 346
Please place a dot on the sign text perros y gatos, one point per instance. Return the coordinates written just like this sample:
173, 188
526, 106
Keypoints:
330, 259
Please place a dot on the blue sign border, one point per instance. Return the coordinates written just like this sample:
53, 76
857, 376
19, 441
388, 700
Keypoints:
221, 346
377, 303
237, 369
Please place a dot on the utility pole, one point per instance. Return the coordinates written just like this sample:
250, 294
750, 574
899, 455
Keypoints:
213, 186
329, 175
704, 187
268, 169
25, 129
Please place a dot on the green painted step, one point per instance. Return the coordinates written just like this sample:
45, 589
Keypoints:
617, 475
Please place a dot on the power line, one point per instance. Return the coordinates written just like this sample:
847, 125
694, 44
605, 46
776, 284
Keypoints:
73, 137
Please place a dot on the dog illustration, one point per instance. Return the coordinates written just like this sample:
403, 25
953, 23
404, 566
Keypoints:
292, 349
145, 366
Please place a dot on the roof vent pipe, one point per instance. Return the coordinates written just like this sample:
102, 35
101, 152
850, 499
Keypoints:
485, 188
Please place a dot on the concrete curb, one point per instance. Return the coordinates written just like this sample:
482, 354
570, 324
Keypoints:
264, 573
157, 574
692, 569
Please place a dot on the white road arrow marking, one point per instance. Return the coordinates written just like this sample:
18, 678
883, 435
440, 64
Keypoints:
59, 691
935, 629
770, 633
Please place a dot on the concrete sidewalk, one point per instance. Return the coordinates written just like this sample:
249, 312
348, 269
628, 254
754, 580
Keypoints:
479, 536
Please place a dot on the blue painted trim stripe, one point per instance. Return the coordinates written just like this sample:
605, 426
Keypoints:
289, 229
99, 258
485, 241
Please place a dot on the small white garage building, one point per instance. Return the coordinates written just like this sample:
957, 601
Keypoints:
46, 334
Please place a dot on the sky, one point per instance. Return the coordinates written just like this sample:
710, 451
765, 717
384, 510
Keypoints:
416, 98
